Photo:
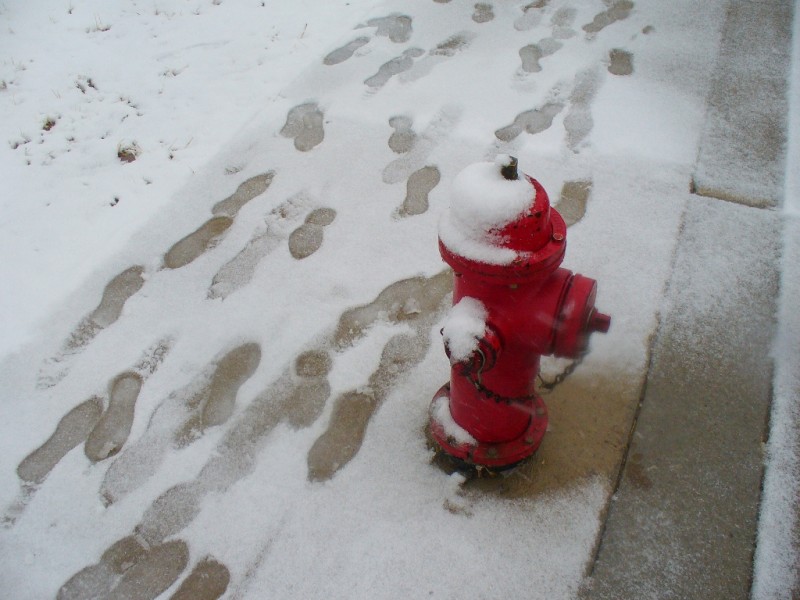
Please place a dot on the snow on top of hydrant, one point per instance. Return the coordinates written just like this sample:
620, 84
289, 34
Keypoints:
464, 326
482, 202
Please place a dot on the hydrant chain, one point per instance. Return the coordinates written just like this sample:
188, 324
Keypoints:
483, 364
548, 386
497, 397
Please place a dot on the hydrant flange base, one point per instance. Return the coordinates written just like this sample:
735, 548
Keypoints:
496, 455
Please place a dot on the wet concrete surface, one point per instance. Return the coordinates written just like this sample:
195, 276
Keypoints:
590, 419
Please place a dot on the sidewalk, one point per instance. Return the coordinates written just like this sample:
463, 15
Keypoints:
683, 522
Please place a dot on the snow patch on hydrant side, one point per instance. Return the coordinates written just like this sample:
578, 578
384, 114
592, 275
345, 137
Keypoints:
463, 328
482, 203
440, 411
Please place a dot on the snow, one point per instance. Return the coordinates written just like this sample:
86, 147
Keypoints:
321, 271
176, 84
464, 327
791, 205
777, 570
481, 203
440, 410
777, 549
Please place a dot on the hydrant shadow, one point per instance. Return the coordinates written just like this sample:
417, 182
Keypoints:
591, 416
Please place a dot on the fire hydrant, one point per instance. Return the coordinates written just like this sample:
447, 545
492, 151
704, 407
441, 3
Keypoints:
512, 303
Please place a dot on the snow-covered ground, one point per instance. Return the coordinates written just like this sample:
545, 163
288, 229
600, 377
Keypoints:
777, 554
220, 275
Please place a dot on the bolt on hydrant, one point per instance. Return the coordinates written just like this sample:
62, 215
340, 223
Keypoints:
512, 304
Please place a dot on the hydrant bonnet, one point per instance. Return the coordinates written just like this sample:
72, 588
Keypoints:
500, 226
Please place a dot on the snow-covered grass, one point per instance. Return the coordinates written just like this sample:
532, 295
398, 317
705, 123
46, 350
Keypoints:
308, 304
87, 85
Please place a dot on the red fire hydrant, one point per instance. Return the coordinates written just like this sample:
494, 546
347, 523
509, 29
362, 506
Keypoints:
511, 305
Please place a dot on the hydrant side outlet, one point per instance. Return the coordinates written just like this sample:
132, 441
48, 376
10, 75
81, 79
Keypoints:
512, 304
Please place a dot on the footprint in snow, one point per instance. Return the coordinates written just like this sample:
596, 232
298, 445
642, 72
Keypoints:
306, 401
127, 283
420, 183
208, 581
562, 23
415, 302
180, 419
214, 405
483, 13
416, 157
112, 430
307, 239
352, 411
345, 52
578, 121
396, 27
533, 53
103, 433
247, 190
403, 138
209, 234
389, 69
531, 121
116, 293
620, 62
278, 225
72, 430
443, 51
573, 199
342, 440
305, 123
130, 568
618, 11
205, 237
531, 15
298, 397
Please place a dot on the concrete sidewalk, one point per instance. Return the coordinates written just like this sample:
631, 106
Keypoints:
683, 521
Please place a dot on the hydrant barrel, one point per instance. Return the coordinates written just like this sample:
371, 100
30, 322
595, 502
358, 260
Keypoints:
512, 304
